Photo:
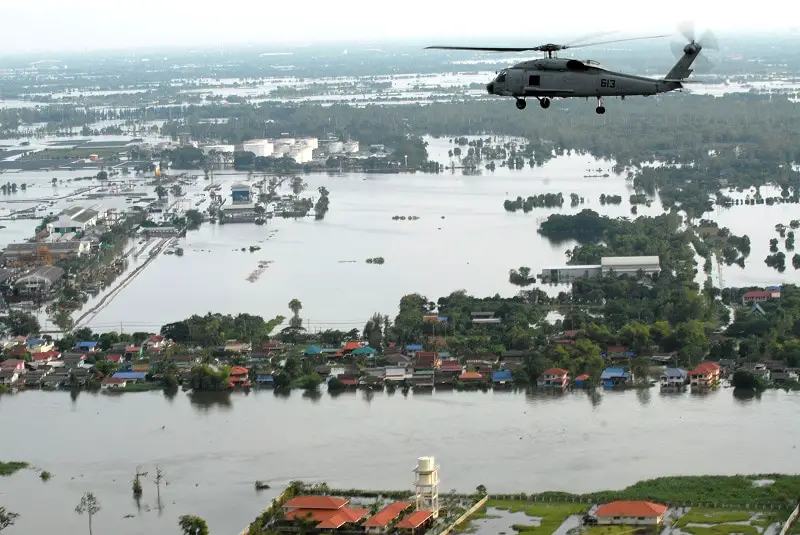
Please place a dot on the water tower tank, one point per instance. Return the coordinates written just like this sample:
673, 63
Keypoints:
426, 471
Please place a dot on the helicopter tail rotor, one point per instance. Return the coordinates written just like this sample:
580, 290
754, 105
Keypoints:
694, 48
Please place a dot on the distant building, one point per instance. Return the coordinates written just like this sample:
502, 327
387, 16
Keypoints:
219, 149
563, 274
673, 378
241, 193
633, 513
630, 265
705, 375
760, 296
260, 147
76, 219
39, 281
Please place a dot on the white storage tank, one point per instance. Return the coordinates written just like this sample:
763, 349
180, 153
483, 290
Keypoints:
259, 147
426, 471
310, 142
350, 147
335, 147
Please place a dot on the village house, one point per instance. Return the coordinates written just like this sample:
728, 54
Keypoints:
471, 378
427, 360
130, 377
760, 296
113, 383
412, 349
325, 512
397, 359
502, 378
235, 346
513, 358
86, 347
632, 513
396, 373
415, 523
381, 521
9, 377
238, 377
673, 378
554, 378
74, 360
13, 365
582, 381
114, 358
34, 378
154, 342
705, 375
39, 345
423, 379
45, 357
615, 377
448, 371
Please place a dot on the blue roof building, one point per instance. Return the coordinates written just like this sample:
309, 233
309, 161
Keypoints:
612, 377
673, 377
501, 377
265, 379
130, 376
312, 350
86, 346
414, 347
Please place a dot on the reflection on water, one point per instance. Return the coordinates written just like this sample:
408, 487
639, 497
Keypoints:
213, 446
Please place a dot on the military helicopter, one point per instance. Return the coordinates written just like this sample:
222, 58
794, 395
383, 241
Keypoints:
553, 77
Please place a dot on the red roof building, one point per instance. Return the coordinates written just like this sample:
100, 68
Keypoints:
380, 521
327, 512
415, 520
46, 356
451, 366
427, 360
554, 378
631, 512
116, 359
706, 374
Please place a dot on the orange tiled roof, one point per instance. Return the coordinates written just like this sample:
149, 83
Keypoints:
414, 520
705, 368
630, 509
470, 376
351, 345
555, 371
315, 502
238, 370
328, 518
386, 515
582, 377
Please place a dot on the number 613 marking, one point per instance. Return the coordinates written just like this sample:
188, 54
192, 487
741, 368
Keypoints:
608, 82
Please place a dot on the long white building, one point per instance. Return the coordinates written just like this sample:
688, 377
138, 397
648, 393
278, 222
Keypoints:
618, 265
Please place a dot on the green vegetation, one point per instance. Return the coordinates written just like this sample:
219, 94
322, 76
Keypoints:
12, 467
721, 529
192, 525
551, 515
701, 515
7, 518
612, 530
45, 475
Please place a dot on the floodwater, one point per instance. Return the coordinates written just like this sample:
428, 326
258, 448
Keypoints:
213, 448
463, 239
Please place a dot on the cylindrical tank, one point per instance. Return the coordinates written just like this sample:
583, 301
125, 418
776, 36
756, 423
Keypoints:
425, 464
335, 147
350, 146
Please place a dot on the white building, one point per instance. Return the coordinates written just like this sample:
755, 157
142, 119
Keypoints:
630, 265
259, 147
335, 147
301, 154
350, 147
219, 149
563, 274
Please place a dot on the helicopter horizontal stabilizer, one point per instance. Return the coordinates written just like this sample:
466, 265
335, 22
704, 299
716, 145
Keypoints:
681, 81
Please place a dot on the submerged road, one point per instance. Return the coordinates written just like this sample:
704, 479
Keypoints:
92, 312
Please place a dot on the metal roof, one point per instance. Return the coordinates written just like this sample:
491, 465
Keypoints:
85, 216
49, 273
608, 261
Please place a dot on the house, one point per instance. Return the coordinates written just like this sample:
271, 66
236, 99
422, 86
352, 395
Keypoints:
423, 379
265, 379
115, 358
40, 345
9, 377
451, 367
395, 373
35, 377
272, 346
416, 522
412, 349
113, 382
238, 377
132, 352
427, 360
617, 351
86, 347
471, 379
74, 360
364, 351
785, 376
513, 357
502, 378
45, 356
760, 296
398, 359
614, 377
554, 378
349, 380
130, 376
12, 365
56, 379
233, 346
484, 318
705, 375
673, 378
633, 513
380, 522
582, 381
326, 512
154, 341
350, 346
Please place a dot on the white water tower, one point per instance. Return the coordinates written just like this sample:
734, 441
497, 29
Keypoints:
426, 485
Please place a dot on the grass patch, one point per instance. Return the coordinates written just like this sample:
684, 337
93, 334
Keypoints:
700, 515
552, 515
727, 490
616, 530
722, 529
10, 468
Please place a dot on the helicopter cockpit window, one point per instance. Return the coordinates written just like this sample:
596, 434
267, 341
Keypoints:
501, 77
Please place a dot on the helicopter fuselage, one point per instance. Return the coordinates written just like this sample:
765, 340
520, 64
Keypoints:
565, 78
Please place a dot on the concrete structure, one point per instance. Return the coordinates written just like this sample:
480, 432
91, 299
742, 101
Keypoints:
630, 265
241, 193
219, 149
259, 147
705, 375
39, 281
426, 486
563, 274
631, 513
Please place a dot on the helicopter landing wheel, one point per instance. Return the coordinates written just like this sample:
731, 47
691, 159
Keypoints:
521, 104
601, 109
544, 103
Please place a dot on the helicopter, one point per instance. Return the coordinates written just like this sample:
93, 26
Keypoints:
553, 77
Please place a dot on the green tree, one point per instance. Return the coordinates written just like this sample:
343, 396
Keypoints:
90, 506
161, 191
22, 323
192, 525
295, 306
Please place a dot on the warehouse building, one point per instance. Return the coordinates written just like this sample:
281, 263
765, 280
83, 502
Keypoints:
618, 265
39, 281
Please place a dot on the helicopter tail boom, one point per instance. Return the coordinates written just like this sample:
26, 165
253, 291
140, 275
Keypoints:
682, 68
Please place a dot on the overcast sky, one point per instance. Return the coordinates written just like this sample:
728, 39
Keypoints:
53, 25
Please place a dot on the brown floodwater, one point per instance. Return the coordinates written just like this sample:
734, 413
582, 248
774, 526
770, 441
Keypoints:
212, 448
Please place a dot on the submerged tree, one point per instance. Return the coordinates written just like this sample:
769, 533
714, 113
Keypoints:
137, 485
7, 518
192, 525
90, 506
158, 479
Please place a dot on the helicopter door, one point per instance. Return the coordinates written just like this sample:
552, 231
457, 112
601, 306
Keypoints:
515, 83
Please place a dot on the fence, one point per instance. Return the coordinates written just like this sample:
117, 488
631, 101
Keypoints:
600, 499
465, 516
790, 520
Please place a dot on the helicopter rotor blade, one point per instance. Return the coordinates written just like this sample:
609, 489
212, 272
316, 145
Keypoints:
677, 49
686, 28
594, 35
702, 65
615, 41
709, 41
481, 48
